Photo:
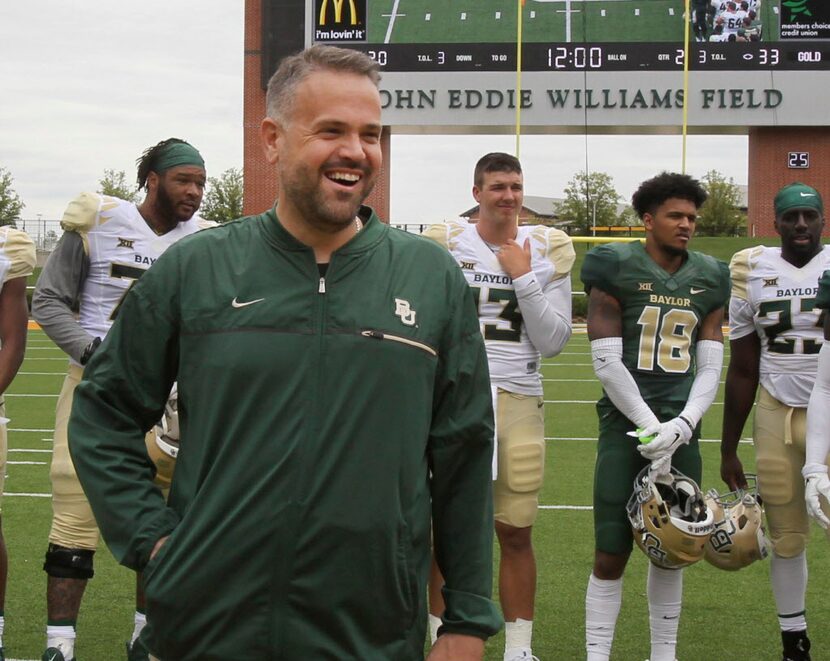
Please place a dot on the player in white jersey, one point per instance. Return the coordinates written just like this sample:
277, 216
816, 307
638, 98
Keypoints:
17, 262
107, 245
775, 337
521, 277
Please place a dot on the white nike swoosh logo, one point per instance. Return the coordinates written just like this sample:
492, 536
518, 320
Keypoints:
237, 304
692, 290
807, 194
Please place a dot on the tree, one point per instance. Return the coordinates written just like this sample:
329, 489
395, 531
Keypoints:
223, 199
10, 203
720, 215
114, 183
591, 200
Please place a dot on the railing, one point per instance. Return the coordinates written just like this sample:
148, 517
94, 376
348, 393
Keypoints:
45, 233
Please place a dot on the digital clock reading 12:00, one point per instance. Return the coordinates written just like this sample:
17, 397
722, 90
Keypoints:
607, 56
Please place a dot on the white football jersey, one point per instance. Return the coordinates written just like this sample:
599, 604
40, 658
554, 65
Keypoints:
17, 254
776, 300
120, 246
731, 21
513, 360
720, 6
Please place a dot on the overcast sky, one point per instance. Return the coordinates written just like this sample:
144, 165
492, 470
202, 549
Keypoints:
87, 85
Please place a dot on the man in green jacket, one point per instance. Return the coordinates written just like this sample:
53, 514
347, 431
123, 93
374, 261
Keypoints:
333, 401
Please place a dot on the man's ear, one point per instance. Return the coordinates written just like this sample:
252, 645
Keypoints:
271, 132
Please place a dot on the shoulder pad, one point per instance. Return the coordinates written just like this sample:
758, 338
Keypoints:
601, 267
445, 233
739, 268
560, 251
20, 251
81, 214
204, 223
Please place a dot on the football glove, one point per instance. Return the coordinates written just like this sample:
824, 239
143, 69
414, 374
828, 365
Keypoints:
670, 436
660, 470
816, 485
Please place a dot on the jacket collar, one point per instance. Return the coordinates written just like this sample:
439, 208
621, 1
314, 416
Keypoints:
373, 230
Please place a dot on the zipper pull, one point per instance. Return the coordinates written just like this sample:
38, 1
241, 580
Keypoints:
321, 289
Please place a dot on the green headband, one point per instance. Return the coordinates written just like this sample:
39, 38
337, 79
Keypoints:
176, 154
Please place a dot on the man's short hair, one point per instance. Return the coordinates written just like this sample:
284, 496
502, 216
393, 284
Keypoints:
495, 162
294, 69
666, 185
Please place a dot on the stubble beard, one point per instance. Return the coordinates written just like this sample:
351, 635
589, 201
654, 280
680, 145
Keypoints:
324, 215
166, 206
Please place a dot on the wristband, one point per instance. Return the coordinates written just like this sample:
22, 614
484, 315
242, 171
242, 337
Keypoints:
89, 350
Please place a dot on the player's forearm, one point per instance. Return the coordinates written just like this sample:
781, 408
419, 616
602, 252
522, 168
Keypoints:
709, 361
818, 416
60, 324
546, 313
739, 398
618, 383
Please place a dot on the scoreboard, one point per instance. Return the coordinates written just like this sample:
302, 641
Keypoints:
597, 65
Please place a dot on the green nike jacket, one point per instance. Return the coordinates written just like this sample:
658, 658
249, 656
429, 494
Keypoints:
326, 424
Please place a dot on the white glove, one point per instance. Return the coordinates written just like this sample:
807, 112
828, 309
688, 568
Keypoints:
817, 484
671, 435
660, 470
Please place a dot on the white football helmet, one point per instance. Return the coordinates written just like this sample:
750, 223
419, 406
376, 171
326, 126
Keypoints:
669, 518
739, 538
167, 429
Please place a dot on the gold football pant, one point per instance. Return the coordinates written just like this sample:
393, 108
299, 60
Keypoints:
779, 436
73, 524
520, 430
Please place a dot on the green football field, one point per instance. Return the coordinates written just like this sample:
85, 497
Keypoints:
727, 616
494, 21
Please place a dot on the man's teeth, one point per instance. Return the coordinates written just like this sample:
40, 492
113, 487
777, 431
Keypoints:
344, 176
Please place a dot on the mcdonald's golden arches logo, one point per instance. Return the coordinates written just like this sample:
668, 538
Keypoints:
340, 20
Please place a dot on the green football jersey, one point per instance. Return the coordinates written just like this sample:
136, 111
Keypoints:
661, 312
823, 296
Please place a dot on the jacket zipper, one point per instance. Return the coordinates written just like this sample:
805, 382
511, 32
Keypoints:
380, 335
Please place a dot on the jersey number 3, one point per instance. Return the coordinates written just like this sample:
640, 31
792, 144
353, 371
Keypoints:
507, 327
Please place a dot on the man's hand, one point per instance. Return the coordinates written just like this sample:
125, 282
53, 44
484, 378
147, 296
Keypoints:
672, 435
515, 259
815, 485
457, 647
162, 541
732, 472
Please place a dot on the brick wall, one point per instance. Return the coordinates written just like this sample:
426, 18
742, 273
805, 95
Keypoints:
768, 171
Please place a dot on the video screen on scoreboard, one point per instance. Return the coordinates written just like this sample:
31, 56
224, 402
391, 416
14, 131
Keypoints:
571, 35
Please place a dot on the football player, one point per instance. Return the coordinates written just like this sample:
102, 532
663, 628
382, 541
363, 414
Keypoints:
17, 262
654, 320
817, 484
775, 335
520, 276
107, 245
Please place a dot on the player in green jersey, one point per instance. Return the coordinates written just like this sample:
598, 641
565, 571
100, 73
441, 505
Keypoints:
654, 319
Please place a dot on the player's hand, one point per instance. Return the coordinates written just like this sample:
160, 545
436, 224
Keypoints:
660, 470
732, 472
671, 436
457, 647
514, 259
815, 485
